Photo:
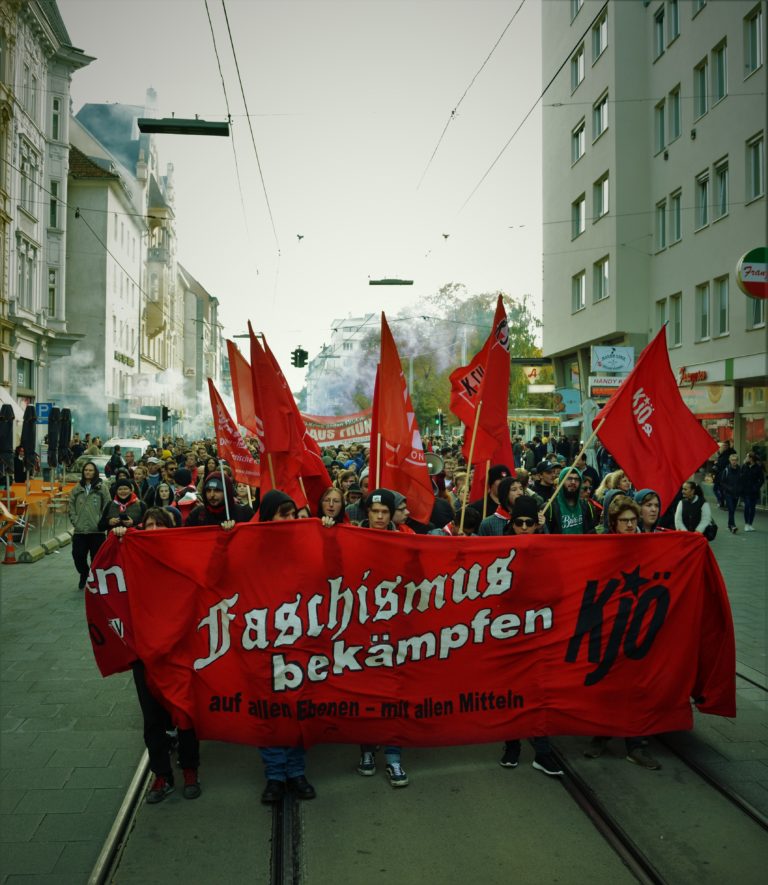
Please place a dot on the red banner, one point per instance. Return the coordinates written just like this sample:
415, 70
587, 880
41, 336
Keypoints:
229, 444
328, 430
648, 428
377, 637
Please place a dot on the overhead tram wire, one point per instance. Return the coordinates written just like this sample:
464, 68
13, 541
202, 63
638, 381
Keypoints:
250, 127
533, 106
229, 116
452, 115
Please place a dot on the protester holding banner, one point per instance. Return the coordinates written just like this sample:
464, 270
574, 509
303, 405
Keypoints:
284, 767
650, 510
86, 503
510, 489
214, 510
125, 509
380, 506
488, 505
330, 507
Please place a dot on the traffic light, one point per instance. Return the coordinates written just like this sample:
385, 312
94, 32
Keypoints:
164, 413
295, 357
299, 358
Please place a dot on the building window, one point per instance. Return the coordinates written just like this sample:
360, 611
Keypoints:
599, 117
755, 312
29, 163
600, 279
578, 291
347, 345
676, 217
661, 225
578, 141
755, 167
702, 200
25, 86
575, 7
578, 216
719, 72
698, 5
51, 292
720, 203
674, 20
675, 120
658, 33
600, 197
577, 67
753, 41
26, 272
33, 91
53, 205
659, 135
25, 374
55, 118
702, 312
599, 37
721, 306
675, 329
661, 313
700, 102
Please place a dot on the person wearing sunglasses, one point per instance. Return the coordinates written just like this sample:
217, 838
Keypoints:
525, 519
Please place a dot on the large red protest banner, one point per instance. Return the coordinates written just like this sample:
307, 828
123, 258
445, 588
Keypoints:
355, 428
288, 632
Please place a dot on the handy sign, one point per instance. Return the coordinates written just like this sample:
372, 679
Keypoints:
604, 385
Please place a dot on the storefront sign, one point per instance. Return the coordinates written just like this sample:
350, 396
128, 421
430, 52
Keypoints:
691, 378
709, 399
752, 273
604, 385
613, 359
567, 400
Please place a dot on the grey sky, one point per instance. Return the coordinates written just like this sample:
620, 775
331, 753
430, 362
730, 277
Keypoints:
348, 100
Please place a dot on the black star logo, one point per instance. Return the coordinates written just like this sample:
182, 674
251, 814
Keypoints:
632, 581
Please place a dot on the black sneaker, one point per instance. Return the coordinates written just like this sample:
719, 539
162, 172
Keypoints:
161, 787
191, 784
273, 792
547, 763
81, 584
396, 774
367, 764
301, 787
511, 757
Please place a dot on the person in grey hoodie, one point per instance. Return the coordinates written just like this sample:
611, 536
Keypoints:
86, 502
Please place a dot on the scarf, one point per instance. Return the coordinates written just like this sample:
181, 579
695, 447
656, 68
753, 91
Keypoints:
124, 504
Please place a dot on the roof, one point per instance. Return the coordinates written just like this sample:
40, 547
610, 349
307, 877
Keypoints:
55, 20
113, 126
81, 166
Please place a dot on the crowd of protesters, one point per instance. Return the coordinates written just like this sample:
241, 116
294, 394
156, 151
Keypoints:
551, 488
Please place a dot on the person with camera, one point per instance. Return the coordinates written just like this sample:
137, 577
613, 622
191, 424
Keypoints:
126, 509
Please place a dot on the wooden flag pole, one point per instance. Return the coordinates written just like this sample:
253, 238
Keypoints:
224, 483
576, 459
485, 488
271, 469
469, 467
303, 491
378, 460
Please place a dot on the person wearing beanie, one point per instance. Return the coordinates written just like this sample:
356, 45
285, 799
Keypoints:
510, 489
284, 767
213, 510
649, 503
568, 514
380, 508
401, 514
125, 509
185, 494
486, 506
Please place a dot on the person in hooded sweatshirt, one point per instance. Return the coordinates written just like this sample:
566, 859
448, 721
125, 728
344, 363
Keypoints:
125, 509
213, 510
86, 503
568, 513
284, 767
185, 493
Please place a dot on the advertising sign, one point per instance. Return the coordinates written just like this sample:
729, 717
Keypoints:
752, 272
612, 359
567, 400
604, 385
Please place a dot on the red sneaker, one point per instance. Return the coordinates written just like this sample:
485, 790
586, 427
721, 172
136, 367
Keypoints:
161, 787
191, 784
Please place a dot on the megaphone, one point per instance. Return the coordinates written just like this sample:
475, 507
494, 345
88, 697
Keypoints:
434, 463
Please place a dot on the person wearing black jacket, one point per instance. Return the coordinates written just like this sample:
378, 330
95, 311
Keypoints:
213, 510
752, 478
731, 486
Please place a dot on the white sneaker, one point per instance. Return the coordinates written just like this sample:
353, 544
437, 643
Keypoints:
748, 528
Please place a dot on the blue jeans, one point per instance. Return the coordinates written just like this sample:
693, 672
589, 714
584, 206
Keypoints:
750, 505
731, 502
282, 762
391, 753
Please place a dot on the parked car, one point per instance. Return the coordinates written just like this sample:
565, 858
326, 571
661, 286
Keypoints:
138, 445
75, 470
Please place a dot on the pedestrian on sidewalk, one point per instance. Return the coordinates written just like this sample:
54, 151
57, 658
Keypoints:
86, 503
753, 477
731, 485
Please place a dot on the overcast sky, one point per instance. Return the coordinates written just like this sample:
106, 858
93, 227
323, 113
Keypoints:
347, 101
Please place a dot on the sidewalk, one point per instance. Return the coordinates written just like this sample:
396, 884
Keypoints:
70, 740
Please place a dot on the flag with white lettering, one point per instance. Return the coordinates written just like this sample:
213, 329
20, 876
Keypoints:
648, 428
230, 445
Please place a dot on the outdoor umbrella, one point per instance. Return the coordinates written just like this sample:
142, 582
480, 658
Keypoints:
54, 426
65, 432
6, 440
29, 437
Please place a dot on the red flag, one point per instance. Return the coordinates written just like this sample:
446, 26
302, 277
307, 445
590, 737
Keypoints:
486, 380
282, 447
314, 475
229, 444
649, 430
397, 455
242, 389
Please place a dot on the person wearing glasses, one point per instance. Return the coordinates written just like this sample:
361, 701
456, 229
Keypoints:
569, 514
525, 519
624, 519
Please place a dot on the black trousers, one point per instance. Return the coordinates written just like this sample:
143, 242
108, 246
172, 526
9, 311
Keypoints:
157, 724
82, 545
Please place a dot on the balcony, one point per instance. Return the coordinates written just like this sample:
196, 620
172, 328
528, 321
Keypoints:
159, 253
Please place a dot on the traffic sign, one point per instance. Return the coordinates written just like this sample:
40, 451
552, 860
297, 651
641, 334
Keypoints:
43, 410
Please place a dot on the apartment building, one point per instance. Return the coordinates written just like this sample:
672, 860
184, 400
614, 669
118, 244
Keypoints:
654, 127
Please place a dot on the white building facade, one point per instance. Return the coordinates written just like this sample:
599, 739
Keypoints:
654, 186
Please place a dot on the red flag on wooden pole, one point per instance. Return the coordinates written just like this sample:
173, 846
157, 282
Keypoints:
648, 428
398, 459
242, 389
229, 444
